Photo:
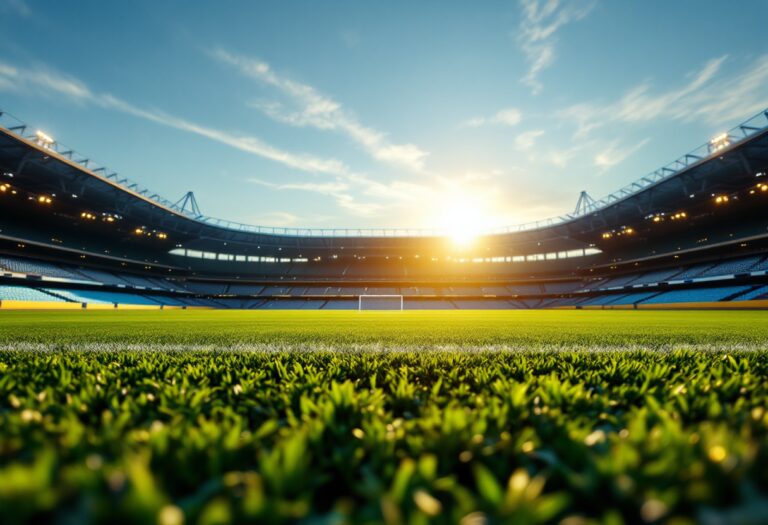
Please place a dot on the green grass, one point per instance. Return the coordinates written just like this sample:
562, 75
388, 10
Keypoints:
417, 417
411, 330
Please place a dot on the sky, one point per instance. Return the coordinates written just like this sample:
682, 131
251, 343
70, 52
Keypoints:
429, 114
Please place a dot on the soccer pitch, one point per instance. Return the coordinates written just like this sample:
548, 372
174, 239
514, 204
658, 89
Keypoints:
383, 417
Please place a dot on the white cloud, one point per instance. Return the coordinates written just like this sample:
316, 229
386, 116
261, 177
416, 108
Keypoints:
340, 191
537, 34
45, 82
347, 183
527, 140
505, 117
42, 81
325, 188
706, 96
310, 108
613, 154
246, 143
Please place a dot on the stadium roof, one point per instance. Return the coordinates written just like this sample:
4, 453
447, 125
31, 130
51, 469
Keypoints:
748, 131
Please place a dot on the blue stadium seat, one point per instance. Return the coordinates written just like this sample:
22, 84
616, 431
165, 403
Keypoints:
75, 297
20, 265
561, 287
90, 296
657, 276
693, 271
732, 267
633, 298
23, 293
696, 295
757, 293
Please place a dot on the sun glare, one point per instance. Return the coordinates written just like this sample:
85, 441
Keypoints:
463, 220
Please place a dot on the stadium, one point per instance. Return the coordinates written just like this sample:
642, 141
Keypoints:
379, 263
692, 234
145, 379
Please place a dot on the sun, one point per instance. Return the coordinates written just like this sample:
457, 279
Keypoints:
463, 219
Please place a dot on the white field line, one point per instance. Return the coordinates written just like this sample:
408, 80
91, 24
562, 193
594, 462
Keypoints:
25, 346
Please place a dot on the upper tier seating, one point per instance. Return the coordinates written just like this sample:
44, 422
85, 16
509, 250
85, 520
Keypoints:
562, 287
27, 266
732, 267
762, 265
101, 277
693, 271
621, 280
135, 280
657, 276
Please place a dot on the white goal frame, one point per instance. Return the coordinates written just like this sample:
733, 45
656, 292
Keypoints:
379, 296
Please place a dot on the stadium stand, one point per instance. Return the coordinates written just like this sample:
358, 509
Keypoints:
695, 295
88, 296
206, 288
23, 293
758, 292
26, 266
244, 289
659, 276
732, 267
636, 248
75, 297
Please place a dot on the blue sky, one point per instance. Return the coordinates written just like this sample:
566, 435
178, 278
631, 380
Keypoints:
383, 114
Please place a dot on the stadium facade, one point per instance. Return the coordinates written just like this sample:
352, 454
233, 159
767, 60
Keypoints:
77, 235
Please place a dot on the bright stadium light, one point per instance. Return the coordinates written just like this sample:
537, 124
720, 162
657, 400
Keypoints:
719, 142
43, 139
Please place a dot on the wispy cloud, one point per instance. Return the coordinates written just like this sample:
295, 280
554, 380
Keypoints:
340, 191
537, 32
310, 108
325, 188
706, 95
614, 154
344, 189
246, 143
46, 82
42, 81
504, 117
527, 140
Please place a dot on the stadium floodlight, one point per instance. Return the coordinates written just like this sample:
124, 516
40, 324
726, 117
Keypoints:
719, 142
43, 139
380, 302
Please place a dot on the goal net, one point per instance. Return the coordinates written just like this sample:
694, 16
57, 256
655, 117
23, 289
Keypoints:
380, 302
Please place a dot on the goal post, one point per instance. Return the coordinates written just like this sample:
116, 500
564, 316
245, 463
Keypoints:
380, 302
